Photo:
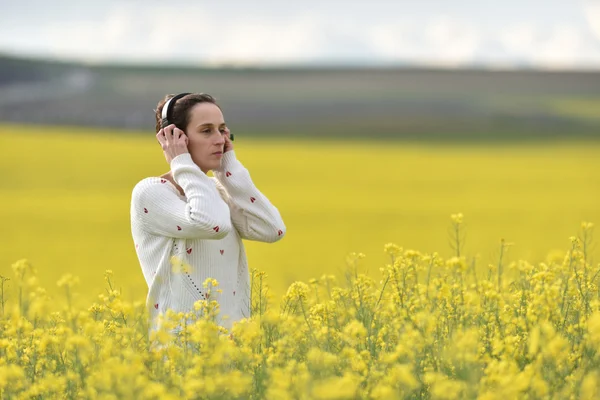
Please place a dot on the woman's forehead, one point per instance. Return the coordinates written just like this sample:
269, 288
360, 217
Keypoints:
206, 113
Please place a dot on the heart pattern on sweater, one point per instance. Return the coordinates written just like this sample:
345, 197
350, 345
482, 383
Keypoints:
215, 228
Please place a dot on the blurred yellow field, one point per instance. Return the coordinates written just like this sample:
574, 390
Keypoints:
65, 197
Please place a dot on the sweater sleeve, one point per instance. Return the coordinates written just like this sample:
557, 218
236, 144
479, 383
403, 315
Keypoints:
253, 215
162, 212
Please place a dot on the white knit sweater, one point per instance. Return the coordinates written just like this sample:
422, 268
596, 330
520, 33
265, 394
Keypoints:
204, 228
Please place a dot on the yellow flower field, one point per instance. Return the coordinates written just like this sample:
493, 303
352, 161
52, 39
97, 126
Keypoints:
502, 302
427, 327
65, 193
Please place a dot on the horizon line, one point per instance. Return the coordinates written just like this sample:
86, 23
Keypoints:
313, 65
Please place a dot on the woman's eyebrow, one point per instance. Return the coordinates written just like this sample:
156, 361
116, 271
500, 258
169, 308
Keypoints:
210, 124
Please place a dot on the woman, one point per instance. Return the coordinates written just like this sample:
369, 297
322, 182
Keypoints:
201, 220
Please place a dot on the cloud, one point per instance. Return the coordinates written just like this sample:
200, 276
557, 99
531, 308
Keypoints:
202, 33
256, 40
452, 41
441, 40
591, 10
559, 46
566, 47
163, 33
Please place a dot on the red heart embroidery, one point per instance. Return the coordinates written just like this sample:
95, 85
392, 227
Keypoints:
156, 306
137, 245
145, 210
228, 173
222, 251
216, 228
178, 228
163, 180
189, 251
252, 199
279, 233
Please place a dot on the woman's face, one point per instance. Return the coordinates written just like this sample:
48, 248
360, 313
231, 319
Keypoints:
206, 135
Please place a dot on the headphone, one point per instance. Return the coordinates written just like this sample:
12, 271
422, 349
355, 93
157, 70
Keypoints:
167, 111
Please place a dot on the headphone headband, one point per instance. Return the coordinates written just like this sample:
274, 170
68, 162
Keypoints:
167, 111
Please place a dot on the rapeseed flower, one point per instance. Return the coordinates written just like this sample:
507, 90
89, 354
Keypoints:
429, 327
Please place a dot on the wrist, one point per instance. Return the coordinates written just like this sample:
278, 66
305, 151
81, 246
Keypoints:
179, 157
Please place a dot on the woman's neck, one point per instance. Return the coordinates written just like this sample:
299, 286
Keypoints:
169, 176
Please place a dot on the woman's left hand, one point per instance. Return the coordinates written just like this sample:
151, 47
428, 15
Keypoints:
228, 142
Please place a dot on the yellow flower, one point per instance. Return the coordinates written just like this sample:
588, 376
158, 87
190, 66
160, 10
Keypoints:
392, 249
21, 267
458, 263
589, 386
344, 387
457, 218
355, 332
587, 226
178, 265
210, 282
108, 274
12, 375
402, 375
534, 341
68, 280
298, 290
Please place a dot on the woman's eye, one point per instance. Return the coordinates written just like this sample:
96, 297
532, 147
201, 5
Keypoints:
206, 131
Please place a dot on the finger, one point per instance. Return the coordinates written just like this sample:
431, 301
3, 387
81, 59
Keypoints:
177, 133
169, 133
160, 135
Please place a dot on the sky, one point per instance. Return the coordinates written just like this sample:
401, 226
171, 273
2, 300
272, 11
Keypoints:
546, 34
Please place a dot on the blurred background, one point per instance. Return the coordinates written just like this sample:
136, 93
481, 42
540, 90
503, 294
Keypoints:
363, 122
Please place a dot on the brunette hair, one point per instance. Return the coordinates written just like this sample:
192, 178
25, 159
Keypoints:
181, 108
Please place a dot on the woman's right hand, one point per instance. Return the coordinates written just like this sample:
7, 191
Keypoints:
173, 141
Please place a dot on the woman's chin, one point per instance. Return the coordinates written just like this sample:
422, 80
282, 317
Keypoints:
216, 165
